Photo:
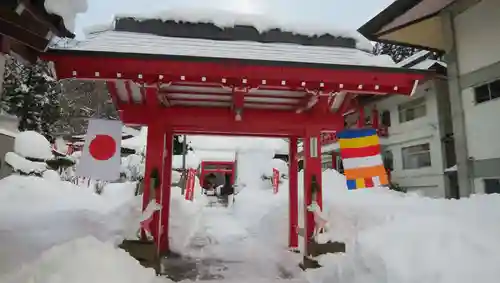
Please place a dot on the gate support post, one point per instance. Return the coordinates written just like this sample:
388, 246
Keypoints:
293, 209
154, 149
312, 181
166, 189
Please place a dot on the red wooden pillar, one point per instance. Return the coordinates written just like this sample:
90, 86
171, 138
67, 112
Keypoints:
334, 160
375, 118
154, 150
293, 169
361, 119
166, 189
312, 168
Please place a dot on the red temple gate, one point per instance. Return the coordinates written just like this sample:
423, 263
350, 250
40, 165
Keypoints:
176, 93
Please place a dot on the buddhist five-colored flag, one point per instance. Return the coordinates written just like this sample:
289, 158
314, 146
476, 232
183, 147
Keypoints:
363, 165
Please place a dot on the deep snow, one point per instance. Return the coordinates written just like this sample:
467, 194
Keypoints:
391, 237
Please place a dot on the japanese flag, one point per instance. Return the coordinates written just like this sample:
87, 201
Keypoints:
101, 154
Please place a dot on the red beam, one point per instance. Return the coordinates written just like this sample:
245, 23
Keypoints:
373, 79
221, 94
221, 120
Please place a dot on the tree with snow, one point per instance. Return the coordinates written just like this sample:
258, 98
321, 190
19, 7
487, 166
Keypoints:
33, 95
397, 52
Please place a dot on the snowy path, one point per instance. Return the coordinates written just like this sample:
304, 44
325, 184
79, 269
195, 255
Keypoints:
221, 248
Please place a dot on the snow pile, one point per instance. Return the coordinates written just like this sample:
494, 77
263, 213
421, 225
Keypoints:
394, 237
37, 214
51, 175
192, 160
31, 144
252, 166
137, 143
133, 166
263, 23
224, 143
184, 218
81, 261
22, 164
67, 10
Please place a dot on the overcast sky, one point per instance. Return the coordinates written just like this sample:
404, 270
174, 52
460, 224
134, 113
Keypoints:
342, 14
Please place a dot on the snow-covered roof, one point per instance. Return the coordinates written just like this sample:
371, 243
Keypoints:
421, 60
427, 64
229, 19
414, 57
67, 10
139, 43
8, 133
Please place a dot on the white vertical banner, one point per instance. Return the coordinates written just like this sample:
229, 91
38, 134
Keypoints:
101, 156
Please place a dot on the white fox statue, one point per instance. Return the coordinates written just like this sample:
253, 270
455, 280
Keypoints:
320, 222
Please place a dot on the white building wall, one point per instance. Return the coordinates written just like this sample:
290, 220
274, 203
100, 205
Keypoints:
482, 122
478, 36
478, 46
429, 181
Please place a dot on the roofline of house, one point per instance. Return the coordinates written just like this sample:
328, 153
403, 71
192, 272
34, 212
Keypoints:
371, 28
397, 8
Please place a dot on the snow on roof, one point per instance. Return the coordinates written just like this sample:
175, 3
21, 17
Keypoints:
263, 23
137, 143
138, 43
67, 10
427, 64
8, 133
413, 57
130, 131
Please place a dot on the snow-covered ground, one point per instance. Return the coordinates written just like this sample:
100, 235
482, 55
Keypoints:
37, 214
53, 231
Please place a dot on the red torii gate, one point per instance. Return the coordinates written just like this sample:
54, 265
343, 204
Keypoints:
174, 94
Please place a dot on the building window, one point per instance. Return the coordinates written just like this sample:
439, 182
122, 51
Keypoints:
412, 110
388, 159
487, 92
491, 186
386, 118
417, 156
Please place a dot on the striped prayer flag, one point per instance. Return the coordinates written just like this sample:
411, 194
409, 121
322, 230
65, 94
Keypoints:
363, 166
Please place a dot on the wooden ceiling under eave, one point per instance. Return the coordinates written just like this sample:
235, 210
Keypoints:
26, 29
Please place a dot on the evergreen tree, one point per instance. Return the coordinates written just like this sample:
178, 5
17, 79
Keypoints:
32, 95
398, 53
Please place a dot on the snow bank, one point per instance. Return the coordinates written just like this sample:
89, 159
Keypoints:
37, 214
394, 237
263, 23
82, 261
67, 9
184, 218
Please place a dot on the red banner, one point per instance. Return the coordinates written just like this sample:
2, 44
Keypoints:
276, 180
189, 193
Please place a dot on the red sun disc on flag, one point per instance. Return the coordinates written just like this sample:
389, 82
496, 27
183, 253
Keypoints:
102, 147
